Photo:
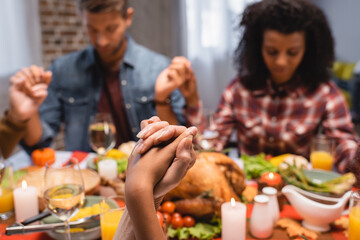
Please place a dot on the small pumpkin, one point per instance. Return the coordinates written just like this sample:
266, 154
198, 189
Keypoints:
42, 156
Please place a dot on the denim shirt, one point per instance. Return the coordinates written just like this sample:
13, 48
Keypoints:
75, 89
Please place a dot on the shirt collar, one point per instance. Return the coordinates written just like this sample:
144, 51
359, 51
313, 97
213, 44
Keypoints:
292, 88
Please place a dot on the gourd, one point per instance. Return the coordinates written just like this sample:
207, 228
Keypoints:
42, 156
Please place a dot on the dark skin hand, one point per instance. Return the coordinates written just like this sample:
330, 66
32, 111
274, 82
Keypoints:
159, 161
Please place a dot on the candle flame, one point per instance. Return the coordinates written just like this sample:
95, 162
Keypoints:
271, 175
232, 202
24, 185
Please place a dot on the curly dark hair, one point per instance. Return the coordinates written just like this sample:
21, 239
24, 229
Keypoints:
284, 16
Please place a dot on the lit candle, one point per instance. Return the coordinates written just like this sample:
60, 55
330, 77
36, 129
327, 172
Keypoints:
271, 178
26, 202
107, 168
6, 200
233, 217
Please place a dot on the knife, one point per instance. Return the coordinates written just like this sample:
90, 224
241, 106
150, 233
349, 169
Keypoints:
32, 219
87, 222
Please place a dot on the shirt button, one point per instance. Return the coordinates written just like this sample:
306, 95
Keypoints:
143, 98
123, 82
134, 130
273, 119
128, 106
271, 139
71, 100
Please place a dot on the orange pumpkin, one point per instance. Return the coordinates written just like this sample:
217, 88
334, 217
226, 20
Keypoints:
42, 156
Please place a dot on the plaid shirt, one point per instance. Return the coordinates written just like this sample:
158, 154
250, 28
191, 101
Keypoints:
282, 120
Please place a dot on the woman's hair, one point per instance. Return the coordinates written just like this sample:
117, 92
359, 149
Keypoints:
284, 16
101, 6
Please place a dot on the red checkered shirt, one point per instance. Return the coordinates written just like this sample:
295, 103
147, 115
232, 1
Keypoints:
282, 120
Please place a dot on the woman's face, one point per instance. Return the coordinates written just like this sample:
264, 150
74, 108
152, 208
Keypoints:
282, 54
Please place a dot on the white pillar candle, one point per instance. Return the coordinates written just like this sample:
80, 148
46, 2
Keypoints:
107, 168
25, 202
233, 218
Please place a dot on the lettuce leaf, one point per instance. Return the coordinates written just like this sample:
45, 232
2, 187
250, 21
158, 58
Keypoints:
200, 230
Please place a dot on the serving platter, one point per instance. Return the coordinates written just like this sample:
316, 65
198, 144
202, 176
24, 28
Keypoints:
91, 230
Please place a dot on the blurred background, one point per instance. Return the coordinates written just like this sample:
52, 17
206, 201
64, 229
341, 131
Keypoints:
205, 31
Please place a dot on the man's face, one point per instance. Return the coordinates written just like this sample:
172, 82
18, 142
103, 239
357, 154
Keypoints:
282, 53
107, 32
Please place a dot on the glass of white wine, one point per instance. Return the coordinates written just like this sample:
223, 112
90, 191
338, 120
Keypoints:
102, 133
64, 191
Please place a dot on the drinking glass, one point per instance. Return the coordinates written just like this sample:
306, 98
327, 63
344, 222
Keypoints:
322, 152
209, 135
102, 133
64, 191
6, 194
110, 215
354, 216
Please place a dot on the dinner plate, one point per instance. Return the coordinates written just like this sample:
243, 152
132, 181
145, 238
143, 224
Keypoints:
92, 232
319, 176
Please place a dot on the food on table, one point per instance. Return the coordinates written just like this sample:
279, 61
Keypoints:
341, 223
185, 226
168, 207
199, 231
127, 147
43, 156
294, 229
297, 177
188, 221
214, 179
35, 178
160, 217
89, 211
249, 193
255, 166
278, 159
295, 160
16, 176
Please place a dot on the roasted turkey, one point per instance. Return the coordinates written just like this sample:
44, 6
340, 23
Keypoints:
214, 179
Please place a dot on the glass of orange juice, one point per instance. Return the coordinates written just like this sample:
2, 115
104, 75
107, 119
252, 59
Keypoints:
354, 216
111, 211
322, 152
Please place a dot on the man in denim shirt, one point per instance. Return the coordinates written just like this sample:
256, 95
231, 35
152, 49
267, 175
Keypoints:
114, 75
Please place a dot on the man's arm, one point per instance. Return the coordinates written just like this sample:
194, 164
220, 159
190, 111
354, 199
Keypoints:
28, 89
27, 92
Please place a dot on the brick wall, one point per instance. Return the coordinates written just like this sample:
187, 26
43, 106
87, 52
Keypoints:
61, 28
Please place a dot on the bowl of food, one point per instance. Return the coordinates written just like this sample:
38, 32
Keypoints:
88, 217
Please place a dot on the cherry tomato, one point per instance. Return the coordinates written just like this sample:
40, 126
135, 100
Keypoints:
268, 157
176, 215
167, 217
168, 207
160, 217
189, 221
177, 222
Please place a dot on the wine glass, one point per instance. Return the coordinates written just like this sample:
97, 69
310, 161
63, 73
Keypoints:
102, 133
64, 191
